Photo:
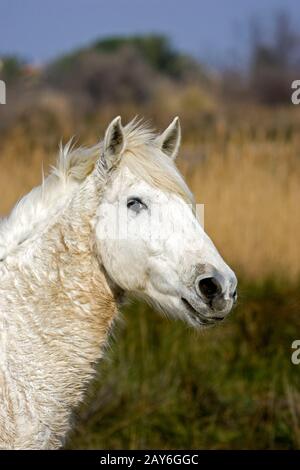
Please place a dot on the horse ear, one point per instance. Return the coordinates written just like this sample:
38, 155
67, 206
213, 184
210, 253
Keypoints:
170, 139
114, 142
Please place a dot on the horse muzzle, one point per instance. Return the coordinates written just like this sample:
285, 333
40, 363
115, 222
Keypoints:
213, 295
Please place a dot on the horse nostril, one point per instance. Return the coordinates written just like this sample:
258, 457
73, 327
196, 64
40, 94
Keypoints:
209, 287
234, 295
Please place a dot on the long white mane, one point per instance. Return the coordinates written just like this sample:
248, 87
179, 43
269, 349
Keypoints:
73, 165
142, 156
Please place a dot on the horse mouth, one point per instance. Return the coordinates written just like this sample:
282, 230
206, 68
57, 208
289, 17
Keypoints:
197, 316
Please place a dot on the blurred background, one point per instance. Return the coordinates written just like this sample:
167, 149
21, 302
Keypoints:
69, 68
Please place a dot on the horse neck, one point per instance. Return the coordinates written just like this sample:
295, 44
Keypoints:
66, 306
31, 212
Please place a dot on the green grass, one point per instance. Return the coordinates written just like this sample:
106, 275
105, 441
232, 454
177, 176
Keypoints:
164, 385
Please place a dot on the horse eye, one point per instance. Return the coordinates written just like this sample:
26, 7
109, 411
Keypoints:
135, 204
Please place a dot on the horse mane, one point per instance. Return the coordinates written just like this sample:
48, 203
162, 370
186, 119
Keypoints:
142, 156
71, 169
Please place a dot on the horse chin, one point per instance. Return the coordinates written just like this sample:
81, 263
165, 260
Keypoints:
196, 323
195, 312
201, 315
175, 308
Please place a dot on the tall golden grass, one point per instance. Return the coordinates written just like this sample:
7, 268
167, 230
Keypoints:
247, 177
251, 194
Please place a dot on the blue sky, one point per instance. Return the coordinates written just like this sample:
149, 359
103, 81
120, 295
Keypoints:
214, 30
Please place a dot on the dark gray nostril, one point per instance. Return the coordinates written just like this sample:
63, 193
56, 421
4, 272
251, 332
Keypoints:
234, 295
209, 287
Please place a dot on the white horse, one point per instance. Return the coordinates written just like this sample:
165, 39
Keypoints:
111, 220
